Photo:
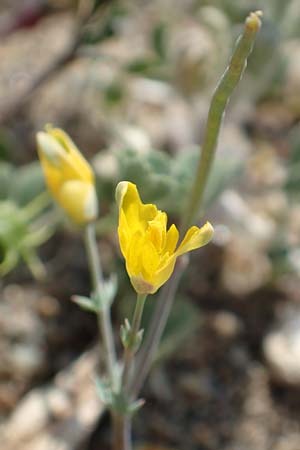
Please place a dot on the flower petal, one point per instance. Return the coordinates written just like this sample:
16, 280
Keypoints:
134, 253
52, 174
74, 161
163, 274
137, 214
157, 230
195, 238
58, 152
150, 259
124, 233
49, 148
75, 197
171, 239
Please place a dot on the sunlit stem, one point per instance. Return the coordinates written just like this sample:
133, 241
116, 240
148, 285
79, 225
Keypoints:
37, 205
223, 92
157, 325
35, 265
104, 319
224, 89
121, 432
130, 350
122, 422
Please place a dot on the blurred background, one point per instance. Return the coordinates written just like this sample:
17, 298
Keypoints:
131, 82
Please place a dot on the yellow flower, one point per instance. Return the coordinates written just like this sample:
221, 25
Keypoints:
68, 175
147, 246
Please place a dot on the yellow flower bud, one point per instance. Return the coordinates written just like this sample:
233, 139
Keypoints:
68, 175
149, 249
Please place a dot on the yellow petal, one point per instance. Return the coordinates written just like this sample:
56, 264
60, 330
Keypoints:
124, 233
195, 238
137, 214
157, 231
58, 153
52, 174
150, 259
121, 190
74, 159
78, 200
134, 254
171, 239
163, 274
50, 148
68, 175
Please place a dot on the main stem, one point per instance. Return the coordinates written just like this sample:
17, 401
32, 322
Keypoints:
130, 350
37, 205
157, 326
104, 320
121, 432
227, 84
122, 422
225, 88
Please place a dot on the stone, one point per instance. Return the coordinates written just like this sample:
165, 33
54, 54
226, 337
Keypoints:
282, 348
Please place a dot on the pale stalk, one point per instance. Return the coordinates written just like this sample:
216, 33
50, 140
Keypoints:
129, 351
104, 320
221, 96
38, 204
122, 422
157, 325
224, 89
35, 265
121, 432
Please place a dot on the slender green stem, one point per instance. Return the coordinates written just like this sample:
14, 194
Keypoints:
104, 320
34, 263
121, 432
157, 326
223, 92
38, 204
122, 422
226, 86
130, 350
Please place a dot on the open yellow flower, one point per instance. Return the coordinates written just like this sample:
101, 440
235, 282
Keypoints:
147, 246
68, 175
